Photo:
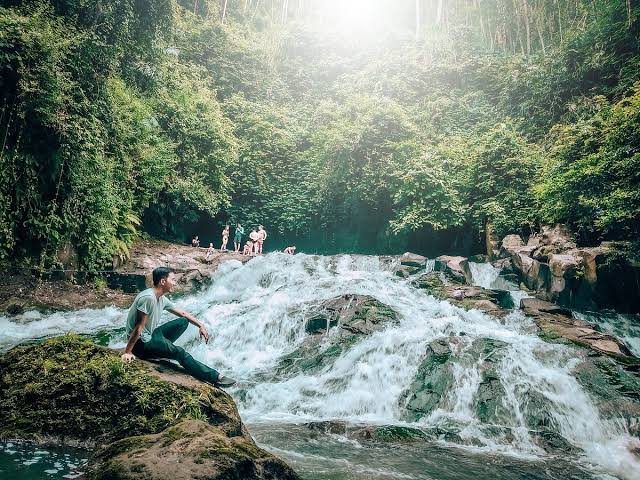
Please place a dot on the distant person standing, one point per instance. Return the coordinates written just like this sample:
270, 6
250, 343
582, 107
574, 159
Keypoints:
290, 250
237, 239
262, 236
195, 242
254, 238
225, 238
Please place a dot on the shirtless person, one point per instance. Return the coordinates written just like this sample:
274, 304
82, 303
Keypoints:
210, 251
148, 340
225, 238
248, 248
254, 236
262, 236
290, 250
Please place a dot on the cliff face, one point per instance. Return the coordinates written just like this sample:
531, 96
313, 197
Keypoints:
142, 420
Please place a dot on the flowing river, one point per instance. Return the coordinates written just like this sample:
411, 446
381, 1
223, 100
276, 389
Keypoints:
256, 315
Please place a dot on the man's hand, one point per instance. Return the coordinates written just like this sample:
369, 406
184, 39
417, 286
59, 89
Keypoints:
204, 334
128, 357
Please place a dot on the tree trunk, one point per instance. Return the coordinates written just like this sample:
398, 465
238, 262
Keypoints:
224, 10
527, 25
417, 19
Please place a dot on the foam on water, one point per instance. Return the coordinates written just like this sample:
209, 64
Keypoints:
33, 324
485, 275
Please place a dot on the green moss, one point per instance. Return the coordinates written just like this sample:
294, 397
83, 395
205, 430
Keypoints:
70, 387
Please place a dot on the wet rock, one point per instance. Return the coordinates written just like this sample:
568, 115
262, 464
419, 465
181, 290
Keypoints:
614, 388
347, 318
329, 426
405, 271
413, 260
479, 258
488, 398
15, 308
433, 380
143, 420
557, 323
190, 449
379, 433
457, 267
390, 433
356, 314
504, 265
434, 283
445, 286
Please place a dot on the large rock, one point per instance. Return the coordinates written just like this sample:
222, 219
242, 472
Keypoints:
355, 314
413, 260
445, 286
350, 316
190, 449
431, 383
558, 235
154, 421
458, 267
192, 269
492, 242
588, 278
557, 323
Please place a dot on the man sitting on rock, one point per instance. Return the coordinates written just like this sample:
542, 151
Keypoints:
148, 340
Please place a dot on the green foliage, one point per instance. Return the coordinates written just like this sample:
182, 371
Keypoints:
129, 115
592, 173
502, 168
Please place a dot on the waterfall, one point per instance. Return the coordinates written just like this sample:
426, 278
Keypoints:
255, 313
483, 274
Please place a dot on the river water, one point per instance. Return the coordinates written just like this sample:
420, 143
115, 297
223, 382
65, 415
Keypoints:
256, 315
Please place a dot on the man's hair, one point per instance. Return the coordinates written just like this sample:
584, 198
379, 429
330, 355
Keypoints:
160, 273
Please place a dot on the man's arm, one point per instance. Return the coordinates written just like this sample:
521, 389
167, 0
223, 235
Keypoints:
182, 313
141, 320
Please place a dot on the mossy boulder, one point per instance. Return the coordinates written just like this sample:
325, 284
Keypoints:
187, 450
335, 326
431, 383
69, 390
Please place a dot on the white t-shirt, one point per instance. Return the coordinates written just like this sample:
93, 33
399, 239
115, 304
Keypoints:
147, 302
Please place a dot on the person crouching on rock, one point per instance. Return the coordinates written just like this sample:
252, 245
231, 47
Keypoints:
148, 340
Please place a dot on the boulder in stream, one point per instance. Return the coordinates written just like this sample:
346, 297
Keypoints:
346, 319
142, 420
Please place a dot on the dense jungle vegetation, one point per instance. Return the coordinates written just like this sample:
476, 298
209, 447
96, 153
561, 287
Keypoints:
410, 127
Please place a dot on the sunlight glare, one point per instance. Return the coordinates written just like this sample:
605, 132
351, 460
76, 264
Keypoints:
354, 18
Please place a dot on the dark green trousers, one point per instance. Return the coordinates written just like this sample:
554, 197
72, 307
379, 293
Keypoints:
161, 346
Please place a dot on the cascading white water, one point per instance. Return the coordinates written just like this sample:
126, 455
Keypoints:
485, 275
255, 313
430, 265
624, 326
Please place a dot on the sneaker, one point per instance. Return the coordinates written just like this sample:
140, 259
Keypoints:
224, 382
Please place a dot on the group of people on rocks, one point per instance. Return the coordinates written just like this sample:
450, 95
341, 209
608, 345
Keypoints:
253, 246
